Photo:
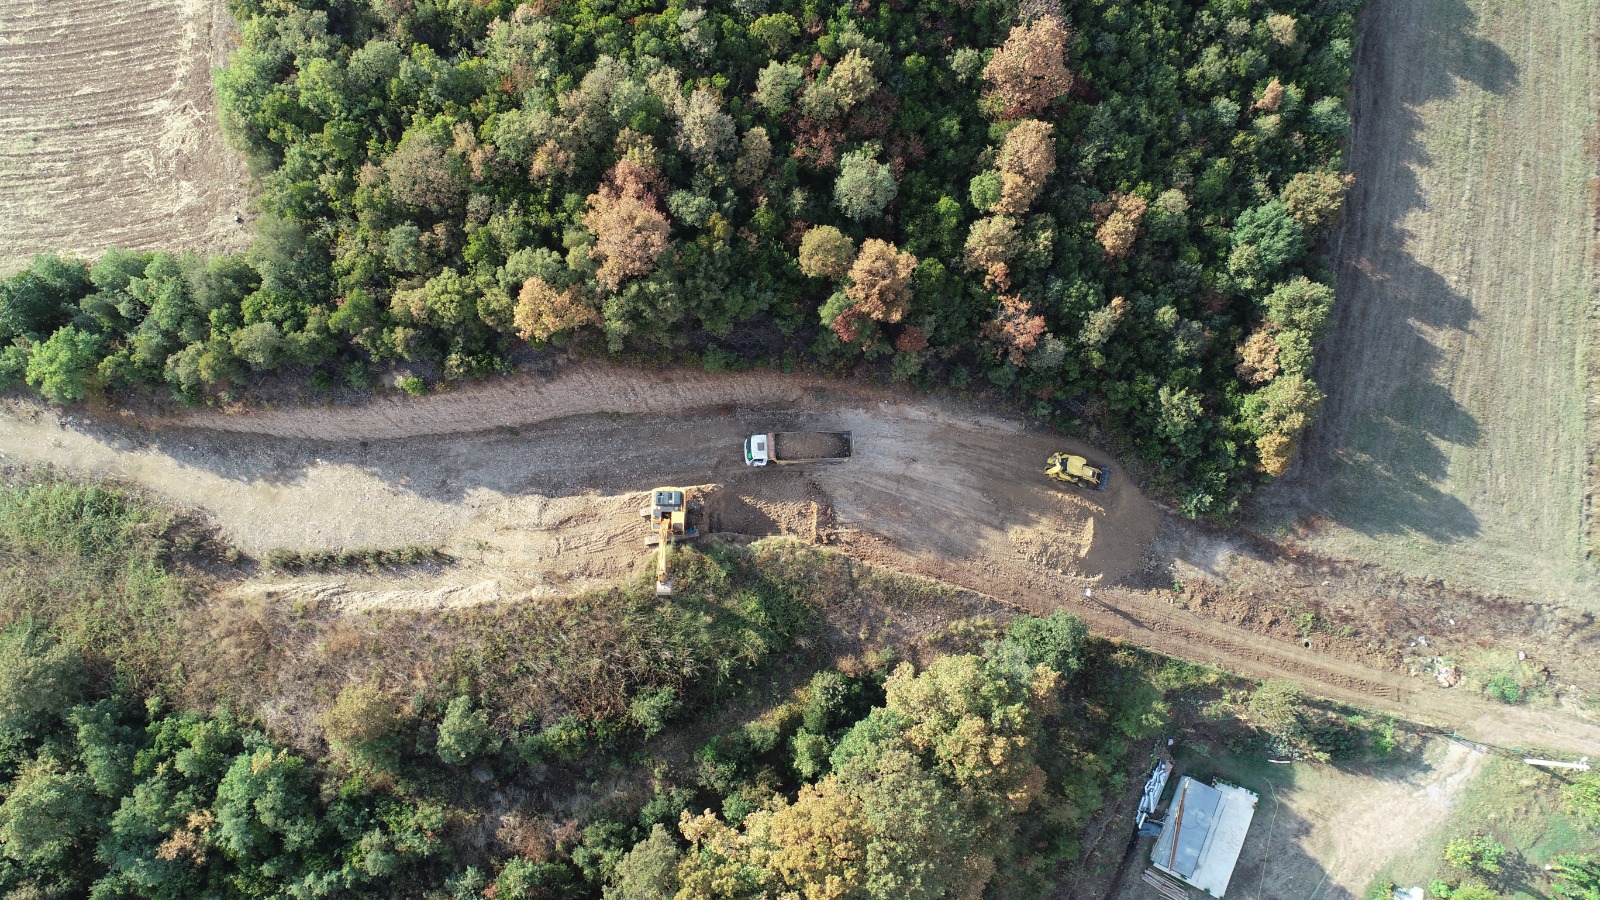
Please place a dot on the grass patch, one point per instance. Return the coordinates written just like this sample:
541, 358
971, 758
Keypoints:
1516, 805
101, 566
1500, 675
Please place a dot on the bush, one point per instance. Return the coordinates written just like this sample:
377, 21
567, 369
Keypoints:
464, 733
1056, 641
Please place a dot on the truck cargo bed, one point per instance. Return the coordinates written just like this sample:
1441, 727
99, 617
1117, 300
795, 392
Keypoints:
805, 446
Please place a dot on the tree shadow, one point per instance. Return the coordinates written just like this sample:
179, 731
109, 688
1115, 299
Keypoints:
1374, 459
454, 468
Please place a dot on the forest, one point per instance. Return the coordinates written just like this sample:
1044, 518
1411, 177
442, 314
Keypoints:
1101, 211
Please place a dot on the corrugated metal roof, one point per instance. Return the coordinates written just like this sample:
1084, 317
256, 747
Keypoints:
1189, 818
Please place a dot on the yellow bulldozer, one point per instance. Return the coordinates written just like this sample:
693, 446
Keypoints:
668, 513
1076, 470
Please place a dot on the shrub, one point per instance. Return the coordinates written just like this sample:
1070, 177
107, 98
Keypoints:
464, 733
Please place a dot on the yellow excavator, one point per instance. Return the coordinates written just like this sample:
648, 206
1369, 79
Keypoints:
1076, 470
668, 515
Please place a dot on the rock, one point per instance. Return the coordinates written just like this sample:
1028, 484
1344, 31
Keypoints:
1447, 676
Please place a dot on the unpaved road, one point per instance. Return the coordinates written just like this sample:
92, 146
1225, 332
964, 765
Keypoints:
533, 497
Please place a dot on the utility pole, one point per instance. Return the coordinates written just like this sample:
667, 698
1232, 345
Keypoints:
1581, 765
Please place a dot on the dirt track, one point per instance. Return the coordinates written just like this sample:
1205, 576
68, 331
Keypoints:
533, 498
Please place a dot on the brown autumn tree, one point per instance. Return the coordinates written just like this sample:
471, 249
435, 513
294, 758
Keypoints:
1027, 158
630, 233
1258, 357
880, 281
911, 340
1271, 99
1015, 328
1029, 71
543, 311
1124, 214
826, 252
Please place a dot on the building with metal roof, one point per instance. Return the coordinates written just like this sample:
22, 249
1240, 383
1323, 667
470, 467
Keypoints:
1203, 833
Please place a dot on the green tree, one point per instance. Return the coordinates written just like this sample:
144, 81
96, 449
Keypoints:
49, 814
1300, 304
363, 720
825, 252
649, 871
267, 816
40, 677
42, 297
1265, 239
1279, 706
776, 31
1056, 640
1316, 199
261, 346
777, 85
864, 187
64, 368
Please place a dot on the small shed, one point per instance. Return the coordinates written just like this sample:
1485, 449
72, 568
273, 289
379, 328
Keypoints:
1203, 833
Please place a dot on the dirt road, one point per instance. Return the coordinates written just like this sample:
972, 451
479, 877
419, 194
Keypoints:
532, 497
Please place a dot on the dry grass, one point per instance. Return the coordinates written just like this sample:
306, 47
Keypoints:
1457, 437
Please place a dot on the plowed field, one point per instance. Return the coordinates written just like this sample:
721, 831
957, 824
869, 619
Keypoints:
108, 129
1458, 436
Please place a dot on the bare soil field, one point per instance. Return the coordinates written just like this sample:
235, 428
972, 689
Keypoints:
1459, 434
533, 499
108, 129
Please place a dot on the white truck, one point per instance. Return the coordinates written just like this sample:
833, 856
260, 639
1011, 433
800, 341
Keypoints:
784, 447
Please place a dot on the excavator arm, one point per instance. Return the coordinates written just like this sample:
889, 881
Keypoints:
664, 538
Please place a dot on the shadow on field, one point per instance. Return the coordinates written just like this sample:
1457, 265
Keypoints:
1377, 454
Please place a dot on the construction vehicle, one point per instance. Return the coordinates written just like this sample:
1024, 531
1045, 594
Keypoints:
668, 513
1076, 470
786, 447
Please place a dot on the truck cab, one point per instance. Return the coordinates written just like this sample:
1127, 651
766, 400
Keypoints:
756, 450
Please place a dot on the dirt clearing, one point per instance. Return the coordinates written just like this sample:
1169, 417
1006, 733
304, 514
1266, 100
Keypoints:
1457, 437
108, 129
539, 501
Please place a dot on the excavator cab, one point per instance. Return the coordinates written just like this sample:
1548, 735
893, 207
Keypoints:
668, 515
1076, 470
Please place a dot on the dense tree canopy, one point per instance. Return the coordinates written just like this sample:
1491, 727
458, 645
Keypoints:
1096, 202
